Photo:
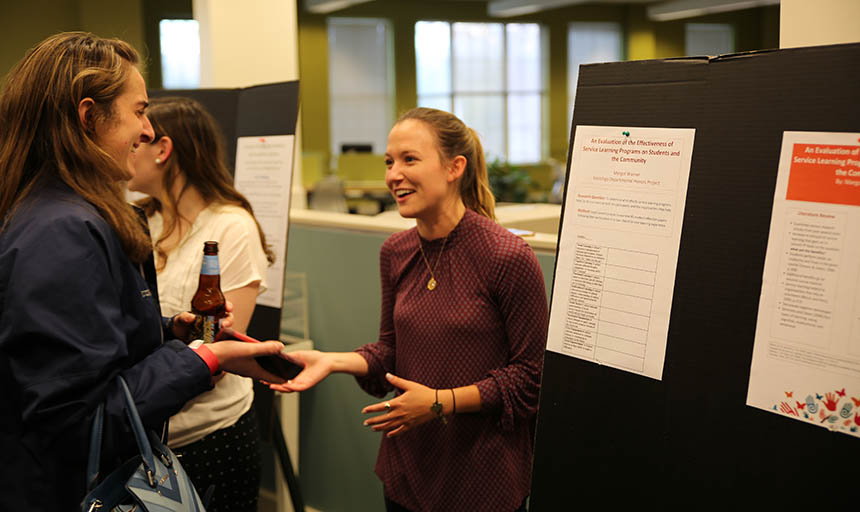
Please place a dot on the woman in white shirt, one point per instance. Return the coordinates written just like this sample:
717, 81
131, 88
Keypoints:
192, 200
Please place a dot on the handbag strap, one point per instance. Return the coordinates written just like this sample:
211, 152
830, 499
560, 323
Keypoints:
139, 433
95, 447
140, 437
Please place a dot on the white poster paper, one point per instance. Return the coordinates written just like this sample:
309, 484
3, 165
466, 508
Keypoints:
264, 172
618, 248
806, 359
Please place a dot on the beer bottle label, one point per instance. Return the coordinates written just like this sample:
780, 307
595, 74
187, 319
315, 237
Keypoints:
210, 328
210, 266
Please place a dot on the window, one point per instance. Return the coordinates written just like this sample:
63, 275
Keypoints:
360, 83
490, 75
709, 39
589, 42
180, 54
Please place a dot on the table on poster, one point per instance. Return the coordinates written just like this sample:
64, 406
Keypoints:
609, 305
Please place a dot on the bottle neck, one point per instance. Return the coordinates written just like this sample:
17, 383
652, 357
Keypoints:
210, 266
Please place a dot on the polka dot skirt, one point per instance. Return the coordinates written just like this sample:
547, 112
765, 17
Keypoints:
229, 459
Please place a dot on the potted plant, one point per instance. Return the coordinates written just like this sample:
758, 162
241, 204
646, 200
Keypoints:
510, 184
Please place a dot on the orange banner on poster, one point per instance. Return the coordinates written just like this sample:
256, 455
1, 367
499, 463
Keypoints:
825, 173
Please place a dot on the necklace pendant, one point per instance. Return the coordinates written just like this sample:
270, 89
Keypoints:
431, 284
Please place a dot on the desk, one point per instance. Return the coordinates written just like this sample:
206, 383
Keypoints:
367, 197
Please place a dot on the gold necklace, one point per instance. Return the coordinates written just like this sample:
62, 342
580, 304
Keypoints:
431, 284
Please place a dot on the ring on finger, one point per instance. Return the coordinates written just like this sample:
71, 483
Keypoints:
387, 406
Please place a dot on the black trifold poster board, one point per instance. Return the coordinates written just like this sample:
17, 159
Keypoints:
618, 436
270, 109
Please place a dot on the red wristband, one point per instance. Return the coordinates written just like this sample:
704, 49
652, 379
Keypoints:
209, 358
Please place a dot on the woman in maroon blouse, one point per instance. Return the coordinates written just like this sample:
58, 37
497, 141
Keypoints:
463, 330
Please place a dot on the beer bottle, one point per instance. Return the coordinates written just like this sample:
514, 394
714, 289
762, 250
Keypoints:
208, 302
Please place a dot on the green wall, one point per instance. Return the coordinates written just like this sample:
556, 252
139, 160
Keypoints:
337, 452
313, 82
24, 24
22, 30
644, 39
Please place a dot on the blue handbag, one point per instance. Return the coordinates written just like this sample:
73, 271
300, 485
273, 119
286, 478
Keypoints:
153, 481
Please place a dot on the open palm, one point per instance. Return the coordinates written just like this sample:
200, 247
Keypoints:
317, 367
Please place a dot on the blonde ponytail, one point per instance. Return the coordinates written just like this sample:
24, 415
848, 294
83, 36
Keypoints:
475, 184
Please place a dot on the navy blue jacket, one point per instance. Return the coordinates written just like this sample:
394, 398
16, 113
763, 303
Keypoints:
74, 313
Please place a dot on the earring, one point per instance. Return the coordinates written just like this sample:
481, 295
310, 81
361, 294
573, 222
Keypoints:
158, 160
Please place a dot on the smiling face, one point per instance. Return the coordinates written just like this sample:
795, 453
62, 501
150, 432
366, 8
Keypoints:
127, 127
421, 183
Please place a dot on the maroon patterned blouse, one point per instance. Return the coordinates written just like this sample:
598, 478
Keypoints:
484, 324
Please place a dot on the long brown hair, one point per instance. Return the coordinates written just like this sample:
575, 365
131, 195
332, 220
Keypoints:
455, 138
198, 156
42, 136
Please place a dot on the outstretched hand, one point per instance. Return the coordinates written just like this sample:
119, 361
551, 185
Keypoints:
317, 367
407, 411
238, 357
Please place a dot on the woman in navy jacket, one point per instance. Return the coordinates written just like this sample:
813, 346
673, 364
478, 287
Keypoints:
75, 309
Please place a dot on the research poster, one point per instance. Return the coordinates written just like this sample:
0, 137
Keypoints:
618, 249
806, 358
264, 171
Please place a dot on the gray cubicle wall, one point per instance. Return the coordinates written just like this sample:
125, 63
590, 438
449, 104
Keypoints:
337, 454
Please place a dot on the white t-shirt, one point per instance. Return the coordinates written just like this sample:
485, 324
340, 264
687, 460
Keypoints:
242, 261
